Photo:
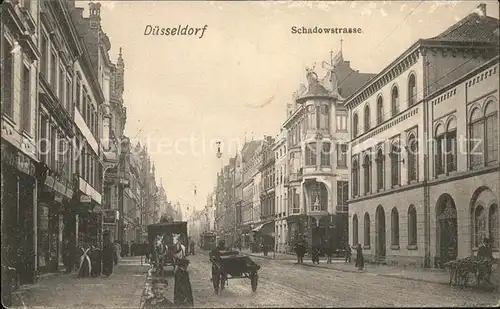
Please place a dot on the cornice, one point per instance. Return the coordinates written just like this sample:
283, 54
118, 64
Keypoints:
410, 57
295, 115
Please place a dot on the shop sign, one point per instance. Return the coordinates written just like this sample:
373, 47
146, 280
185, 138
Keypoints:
25, 165
109, 217
49, 182
85, 199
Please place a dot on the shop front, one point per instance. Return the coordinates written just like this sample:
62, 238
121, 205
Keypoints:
87, 206
263, 235
54, 198
18, 199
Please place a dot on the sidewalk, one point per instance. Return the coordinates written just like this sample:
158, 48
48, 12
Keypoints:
432, 275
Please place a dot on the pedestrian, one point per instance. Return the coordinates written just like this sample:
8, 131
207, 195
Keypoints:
159, 299
146, 251
192, 247
315, 254
300, 250
264, 248
95, 259
67, 256
117, 251
360, 262
329, 250
85, 268
348, 253
108, 256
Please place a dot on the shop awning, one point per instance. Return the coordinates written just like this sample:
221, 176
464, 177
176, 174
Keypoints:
265, 228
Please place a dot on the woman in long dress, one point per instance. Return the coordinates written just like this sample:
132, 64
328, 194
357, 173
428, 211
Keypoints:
183, 294
360, 261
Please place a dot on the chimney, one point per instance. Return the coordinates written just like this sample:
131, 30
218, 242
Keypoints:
481, 9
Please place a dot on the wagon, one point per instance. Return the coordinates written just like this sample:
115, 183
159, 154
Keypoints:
232, 265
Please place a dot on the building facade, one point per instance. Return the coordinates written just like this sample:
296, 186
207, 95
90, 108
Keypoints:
316, 146
280, 174
409, 196
265, 229
20, 66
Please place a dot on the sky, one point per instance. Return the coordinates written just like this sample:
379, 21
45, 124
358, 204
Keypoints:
185, 93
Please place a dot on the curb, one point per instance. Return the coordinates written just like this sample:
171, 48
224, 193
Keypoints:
354, 271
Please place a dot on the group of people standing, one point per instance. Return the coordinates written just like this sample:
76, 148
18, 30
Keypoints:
328, 247
91, 260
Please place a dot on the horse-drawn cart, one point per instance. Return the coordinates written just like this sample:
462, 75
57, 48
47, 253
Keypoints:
232, 265
161, 236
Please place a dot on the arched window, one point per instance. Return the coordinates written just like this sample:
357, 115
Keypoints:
355, 125
395, 170
394, 101
355, 178
412, 150
355, 240
412, 226
412, 90
479, 225
323, 117
476, 147
367, 230
311, 117
380, 110
367, 164
380, 160
451, 146
394, 227
367, 118
493, 226
491, 132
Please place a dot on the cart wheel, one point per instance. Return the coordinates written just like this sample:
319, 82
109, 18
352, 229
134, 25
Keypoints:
254, 278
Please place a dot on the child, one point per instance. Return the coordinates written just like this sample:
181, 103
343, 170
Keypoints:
159, 299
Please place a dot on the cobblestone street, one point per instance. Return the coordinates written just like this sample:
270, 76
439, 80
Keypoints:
281, 284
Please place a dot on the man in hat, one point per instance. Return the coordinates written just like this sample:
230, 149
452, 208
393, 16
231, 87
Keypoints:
215, 257
159, 300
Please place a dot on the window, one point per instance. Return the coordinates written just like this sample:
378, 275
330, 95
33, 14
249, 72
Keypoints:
311, 117
325, 155
355, 240
324, 117
84, 106
479, 225
451, 147
367, 164
67, 104
412, 150
44, 144
394, 101
412, 90
43, 61
395, 170
341, 122
342, 196
62, 80
367, 230
26, 100
367, 118
61, 168
380, 110
7, 90
355, 178
491, 132
494, 226
380, 160
355, 125
476, 142
53, 70
341, 155
311, 154
394, 227
412, 226
53, 149
78, 94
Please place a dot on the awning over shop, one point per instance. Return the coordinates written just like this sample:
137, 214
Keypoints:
265, 228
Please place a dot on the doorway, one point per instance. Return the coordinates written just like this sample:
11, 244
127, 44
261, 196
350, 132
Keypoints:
447, 237
380, 243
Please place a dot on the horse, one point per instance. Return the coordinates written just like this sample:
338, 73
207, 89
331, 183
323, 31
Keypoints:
160, 251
